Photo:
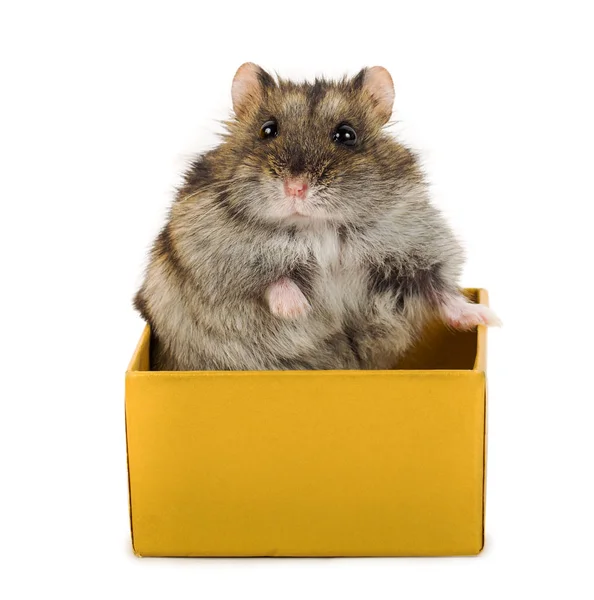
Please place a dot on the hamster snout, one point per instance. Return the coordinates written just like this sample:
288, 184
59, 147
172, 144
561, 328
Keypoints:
296, 188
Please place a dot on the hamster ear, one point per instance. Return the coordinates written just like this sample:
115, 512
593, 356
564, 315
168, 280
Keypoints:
249, 84
377, 82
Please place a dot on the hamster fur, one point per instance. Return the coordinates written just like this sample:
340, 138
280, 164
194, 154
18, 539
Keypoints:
305, 240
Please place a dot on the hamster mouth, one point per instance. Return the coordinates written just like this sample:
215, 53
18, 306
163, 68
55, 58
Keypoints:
295, 210
303, 215
298, 208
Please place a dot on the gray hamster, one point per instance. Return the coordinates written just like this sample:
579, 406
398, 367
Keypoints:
305, 240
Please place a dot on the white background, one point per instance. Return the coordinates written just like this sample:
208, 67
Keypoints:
101, 105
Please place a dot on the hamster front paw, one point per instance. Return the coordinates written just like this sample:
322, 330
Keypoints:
286, 300
460, 314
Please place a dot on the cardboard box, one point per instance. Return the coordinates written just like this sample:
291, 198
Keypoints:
311, 463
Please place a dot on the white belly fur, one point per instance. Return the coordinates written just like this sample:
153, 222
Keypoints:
341, 283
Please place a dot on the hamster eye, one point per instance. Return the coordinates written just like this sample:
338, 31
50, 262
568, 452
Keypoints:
269, 129
345, 135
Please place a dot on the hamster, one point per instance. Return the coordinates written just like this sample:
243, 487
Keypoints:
305, 240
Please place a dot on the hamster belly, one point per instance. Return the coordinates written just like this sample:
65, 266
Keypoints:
336, 290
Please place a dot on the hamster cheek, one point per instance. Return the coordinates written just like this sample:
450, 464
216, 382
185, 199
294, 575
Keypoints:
286, 300
460, 314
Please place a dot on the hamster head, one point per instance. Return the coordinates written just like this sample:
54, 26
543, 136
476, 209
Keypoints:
302, 153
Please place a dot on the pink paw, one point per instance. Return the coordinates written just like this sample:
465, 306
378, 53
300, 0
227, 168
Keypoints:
286, 300
458, 313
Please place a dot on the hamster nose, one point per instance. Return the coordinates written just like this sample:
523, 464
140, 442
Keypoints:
296, 188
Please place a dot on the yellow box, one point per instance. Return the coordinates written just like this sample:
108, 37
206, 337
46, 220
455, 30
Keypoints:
311, 463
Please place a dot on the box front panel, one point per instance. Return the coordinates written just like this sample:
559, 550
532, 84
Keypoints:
306, 463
